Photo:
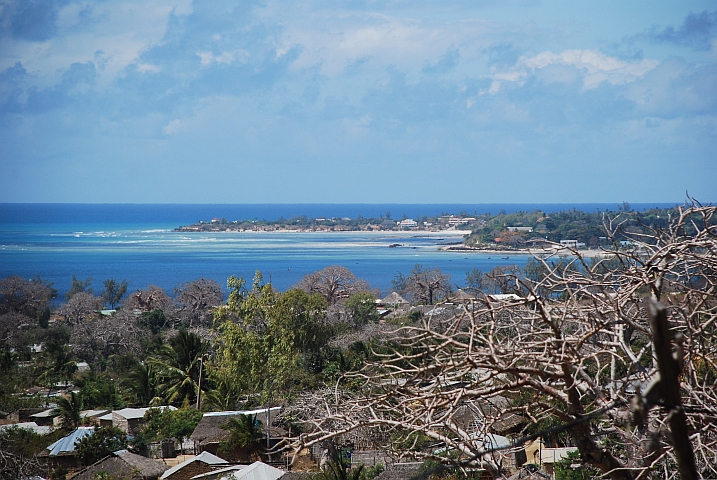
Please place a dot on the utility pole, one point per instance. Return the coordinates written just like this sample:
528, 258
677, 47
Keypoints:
199, 388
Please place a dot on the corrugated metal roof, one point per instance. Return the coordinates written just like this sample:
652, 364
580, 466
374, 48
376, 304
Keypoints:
241, 412
204, 457
39, 429
130, 413
217, 473
257, 471
67, 444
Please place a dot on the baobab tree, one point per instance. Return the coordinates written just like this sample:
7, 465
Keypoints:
333, 283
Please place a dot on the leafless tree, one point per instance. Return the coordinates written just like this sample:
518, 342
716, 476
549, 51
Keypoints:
581, 359
196, 300
333, 283
423, 285
502, 279
150, 299
104, 336
81, 306
29, 297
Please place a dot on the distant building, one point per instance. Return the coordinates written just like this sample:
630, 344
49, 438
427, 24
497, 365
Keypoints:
408, 223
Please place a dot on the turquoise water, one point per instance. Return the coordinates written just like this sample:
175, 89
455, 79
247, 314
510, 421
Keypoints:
136, 243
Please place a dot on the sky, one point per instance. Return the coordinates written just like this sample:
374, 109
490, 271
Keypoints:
364, 101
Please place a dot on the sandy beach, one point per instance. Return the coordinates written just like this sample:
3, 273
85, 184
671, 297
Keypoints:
537, 252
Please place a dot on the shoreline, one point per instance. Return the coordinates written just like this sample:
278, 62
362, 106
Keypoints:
536, 252
397, 233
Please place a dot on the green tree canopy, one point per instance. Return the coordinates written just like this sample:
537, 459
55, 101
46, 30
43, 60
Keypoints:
178, 367
361, 308
102, 442
114, 291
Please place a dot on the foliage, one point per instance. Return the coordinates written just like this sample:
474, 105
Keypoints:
114, 291
178, 367
18, 449
99, 390
244, 431
155, 320
78, 286
564, 468
141, 385
338, 467
271, 342
68, 409
102, 442
166, 423
361, 308
57, 361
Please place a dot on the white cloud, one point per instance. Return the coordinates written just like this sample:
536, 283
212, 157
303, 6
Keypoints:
173, 127
121, 30
339, 40
595, 67
207, 58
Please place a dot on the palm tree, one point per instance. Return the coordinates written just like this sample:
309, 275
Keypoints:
339, 468
178, 367
141, 384
226, 394
244, 431
68, 409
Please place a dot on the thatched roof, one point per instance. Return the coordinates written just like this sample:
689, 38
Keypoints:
394, 298
461, 296
124, 464
209, 430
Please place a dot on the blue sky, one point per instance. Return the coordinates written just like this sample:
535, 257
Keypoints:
180, 101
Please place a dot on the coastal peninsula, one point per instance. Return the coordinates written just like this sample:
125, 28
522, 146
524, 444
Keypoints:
534, 232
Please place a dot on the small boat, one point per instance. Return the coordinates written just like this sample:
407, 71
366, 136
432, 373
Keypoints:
506, 258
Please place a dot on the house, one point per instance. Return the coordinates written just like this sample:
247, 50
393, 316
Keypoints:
61, 454
129, 420
125, 465
208, 433
203, 463
408, 223
32, 426
538, 454
44, 417
461, 296
393, 300
92, 417
569, 243
256, 471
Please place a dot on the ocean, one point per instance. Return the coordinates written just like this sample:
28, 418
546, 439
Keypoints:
135, 242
